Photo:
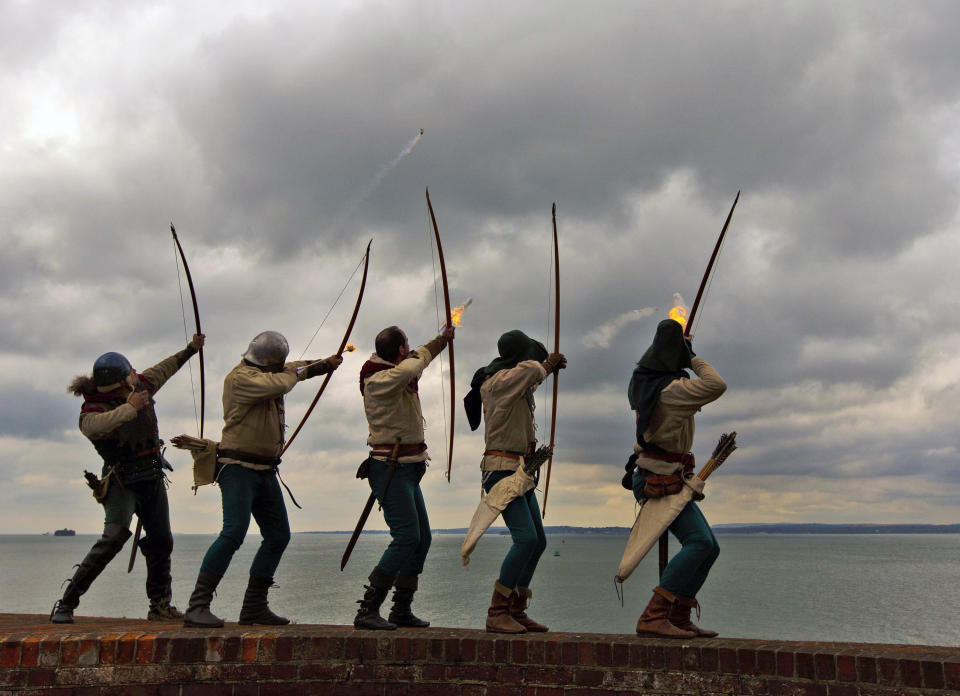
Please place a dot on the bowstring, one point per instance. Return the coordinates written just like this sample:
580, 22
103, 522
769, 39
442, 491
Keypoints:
436, 304
345, 285
706, 292
183, 315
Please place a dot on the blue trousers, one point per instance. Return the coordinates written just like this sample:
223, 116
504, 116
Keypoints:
405, 513
688, 569
246, 492
522, 517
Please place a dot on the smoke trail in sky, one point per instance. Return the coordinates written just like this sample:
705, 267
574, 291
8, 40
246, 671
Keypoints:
384, 170
601, 336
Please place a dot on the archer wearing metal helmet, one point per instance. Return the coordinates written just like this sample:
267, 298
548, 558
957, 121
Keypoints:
119, 419
247, 460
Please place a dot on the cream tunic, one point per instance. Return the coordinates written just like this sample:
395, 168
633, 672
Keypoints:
508, 413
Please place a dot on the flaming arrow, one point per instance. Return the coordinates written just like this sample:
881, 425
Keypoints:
446, 302
556, 349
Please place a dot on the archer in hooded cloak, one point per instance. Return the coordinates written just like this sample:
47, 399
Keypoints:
118, 418
503, 392
665, 399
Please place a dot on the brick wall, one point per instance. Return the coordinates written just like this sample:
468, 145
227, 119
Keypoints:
113, 657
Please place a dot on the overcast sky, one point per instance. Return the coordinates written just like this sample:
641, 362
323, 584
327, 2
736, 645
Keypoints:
272, 133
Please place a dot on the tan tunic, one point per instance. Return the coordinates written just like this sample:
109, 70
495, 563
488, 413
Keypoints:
671, 423
253, 410
508, 407
97, 425
392, 410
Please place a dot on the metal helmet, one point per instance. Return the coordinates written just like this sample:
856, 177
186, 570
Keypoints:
267, 349
110, 368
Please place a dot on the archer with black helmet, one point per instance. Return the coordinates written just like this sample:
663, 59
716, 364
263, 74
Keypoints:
118, 417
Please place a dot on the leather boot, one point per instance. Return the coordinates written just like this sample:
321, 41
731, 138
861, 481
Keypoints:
198, 608
368, 615
103, 551
498, 615
162, 610
518, 610
655, 621
403, 590
255, 609
680, 617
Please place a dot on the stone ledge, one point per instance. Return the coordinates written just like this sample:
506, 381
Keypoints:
103, 656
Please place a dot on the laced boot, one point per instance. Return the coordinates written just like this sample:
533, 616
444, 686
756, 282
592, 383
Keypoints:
401, 614
162, 610
518, 610
680, 617
368, 615
655, 622
255, 609
106, 547
198, 608
498, 615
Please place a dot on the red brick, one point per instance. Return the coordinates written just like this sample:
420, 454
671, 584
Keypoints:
951, 673
842, 690
570, 653
673, 658
479, 673
248, 651
368, 649
709, 659
189, 650
451, 648
323, 672
41, 677
588, 677
691, 658
432, 672
604, 653
621, 654
846, 668
69, 652
468, 650
284, 649
500, 690
508, 674
145, 649
484, 650
932, 674
655, 658
766, 662
436, 649
10, 654
518, 652
127, 649
401, 649
910, 673
825, 665
14, 677
867, 670
888, 671
586, 656
804, 665
727, 660
418, 649
361, 672
746, 661
232, 649
351, 648
265, 652
49, 653
501, 650
107, 651
553, 652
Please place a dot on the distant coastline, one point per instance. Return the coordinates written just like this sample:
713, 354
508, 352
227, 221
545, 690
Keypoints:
771, 528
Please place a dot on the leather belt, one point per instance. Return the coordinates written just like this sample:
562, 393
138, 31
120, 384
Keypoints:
402, 451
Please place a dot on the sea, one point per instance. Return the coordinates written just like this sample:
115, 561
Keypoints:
870, 588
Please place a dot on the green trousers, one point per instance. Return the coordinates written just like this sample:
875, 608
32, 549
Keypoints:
522, 517
405, 512
688, 569
245, 492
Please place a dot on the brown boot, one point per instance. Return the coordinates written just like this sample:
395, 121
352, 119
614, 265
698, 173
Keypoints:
498, 615
680, 616
518, 610
655, 621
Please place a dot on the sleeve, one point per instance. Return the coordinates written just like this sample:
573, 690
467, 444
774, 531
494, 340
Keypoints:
97, 425
397, 378
167, 368
510, 385
251, 386
689, 395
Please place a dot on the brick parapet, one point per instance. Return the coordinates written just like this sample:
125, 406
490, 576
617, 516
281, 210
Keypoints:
103, 657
